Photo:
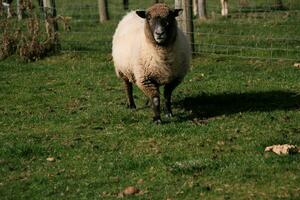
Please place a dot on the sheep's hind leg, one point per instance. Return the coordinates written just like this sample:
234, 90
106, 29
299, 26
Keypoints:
129, 92
167, 94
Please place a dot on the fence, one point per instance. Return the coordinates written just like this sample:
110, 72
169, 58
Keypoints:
254, 29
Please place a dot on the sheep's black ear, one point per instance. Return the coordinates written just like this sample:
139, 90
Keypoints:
141, 13
177, 12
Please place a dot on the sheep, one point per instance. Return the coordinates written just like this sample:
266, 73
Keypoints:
150, 51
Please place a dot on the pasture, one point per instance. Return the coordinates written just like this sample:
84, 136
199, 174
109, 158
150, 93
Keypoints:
66, 133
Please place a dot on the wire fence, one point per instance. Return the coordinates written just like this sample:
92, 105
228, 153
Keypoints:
254, 29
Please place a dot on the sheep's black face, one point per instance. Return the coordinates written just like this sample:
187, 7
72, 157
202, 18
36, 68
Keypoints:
161, 24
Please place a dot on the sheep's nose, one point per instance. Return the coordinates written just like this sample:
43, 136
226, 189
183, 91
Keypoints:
159, 31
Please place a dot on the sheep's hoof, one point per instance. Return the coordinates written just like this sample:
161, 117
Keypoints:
157, 120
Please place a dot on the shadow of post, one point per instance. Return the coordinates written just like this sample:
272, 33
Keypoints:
205, 106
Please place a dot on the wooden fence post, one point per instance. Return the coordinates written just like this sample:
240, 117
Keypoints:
50, 17
186, 20
50, 21
103, 10
279, 4
195, 8
202, 9
49, 8
20, 9
125, 4
41, 7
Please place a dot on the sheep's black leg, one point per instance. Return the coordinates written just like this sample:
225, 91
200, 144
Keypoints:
150, 87
167, 94
156, 109
147, 102
129, 92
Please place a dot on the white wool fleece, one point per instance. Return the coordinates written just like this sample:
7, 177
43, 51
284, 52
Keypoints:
136, 58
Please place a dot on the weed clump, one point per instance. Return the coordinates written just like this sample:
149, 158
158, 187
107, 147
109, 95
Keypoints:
8, 45
32, 47
27, 38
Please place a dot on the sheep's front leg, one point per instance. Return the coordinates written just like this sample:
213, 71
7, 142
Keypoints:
151, 89
129, 93
168, 94
156, 109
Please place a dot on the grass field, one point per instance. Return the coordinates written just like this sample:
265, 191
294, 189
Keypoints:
71, 107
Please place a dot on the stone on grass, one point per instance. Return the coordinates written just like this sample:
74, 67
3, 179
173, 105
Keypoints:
283, 149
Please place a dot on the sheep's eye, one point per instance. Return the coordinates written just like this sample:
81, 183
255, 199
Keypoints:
165, 23
148, 17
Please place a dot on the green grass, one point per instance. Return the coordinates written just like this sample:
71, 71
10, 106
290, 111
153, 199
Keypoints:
72, 107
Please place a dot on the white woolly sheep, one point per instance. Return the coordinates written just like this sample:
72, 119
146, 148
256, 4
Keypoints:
150, 51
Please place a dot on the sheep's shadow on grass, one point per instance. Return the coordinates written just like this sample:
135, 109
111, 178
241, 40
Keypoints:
205, 106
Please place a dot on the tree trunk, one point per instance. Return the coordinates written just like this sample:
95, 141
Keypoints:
202, 9
103, 10
186, 20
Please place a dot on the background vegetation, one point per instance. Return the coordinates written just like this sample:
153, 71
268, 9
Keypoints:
65, 131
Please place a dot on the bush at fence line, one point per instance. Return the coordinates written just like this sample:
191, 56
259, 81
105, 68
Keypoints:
8, 45
31, 43
31, 47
